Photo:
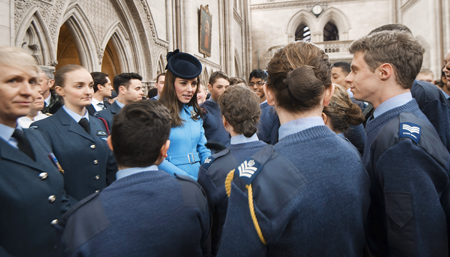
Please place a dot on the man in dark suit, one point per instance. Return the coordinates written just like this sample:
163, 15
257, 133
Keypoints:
51, 98
102, 89
129, 89
32, 196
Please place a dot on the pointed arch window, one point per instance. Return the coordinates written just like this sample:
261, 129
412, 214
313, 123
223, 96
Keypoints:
330, 32
303, 33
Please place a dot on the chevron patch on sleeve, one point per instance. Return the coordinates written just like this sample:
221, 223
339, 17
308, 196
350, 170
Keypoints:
248, 170
410, 130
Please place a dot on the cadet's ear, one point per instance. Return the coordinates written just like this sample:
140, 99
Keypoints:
209, 87
328, 94
269, 95
108, 140
164, 149
324, 118
224, 122
60, 91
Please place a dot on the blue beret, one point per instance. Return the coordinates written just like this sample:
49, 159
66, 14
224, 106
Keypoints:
183, 65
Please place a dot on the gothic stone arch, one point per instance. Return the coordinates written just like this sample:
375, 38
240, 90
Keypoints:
339, 19
300, 17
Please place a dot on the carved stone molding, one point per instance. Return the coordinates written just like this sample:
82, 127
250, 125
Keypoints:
208, 62
297, 3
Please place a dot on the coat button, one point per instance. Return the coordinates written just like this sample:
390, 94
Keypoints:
43, 175
52, 198
97, 177
95, 162
97, 191
92, 146
54, 222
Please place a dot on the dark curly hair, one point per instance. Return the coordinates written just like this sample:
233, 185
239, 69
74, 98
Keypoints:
240, 107
299, 73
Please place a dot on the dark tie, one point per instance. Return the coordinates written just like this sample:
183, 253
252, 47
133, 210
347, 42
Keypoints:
101, 105
85, 124
23, 144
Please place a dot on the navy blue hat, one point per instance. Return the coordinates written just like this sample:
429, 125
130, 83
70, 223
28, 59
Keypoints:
183, 65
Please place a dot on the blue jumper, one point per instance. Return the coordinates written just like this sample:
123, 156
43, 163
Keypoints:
213, 124
268, 124
409, 184
434, 105
149, 213
212, 176
357, 136
310, 199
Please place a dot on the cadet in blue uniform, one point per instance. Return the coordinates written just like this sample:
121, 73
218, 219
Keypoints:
268, 123
309, 194
343, 112
129, 89
406, 160
77, 139
32, 196
212, 118
187, 136
146, 211
240, 109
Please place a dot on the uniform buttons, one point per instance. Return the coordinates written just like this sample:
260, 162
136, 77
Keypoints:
95, 162
92, 146
97, 177
52, 198
43, 175
54, 222
97, 191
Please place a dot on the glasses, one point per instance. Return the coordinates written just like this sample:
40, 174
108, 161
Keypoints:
259, 83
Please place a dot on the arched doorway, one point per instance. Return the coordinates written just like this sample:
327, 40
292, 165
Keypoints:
67, 52
111, 61
303, 33
330, 32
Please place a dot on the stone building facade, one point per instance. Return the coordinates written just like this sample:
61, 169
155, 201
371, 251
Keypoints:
339, 22
116, 36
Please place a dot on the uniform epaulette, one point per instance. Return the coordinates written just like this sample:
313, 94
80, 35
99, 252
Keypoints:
213, 157
191, 197
62, 222
407, 126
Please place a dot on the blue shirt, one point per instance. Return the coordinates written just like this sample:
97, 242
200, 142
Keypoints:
121, 105
6, 133
445, 94
75, 116
392, 103
130, 171
294, 126
241, 139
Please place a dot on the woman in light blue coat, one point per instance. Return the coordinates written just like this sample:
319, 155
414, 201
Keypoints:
187, 137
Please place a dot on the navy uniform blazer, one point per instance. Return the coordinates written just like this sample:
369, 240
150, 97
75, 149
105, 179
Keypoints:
27, 190
91, 109
88, 162
109, 113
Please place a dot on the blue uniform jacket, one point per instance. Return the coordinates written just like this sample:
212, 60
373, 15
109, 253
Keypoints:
187, 146
149, 213
268, 124
27, 208
88, 163
109, 113
433, 104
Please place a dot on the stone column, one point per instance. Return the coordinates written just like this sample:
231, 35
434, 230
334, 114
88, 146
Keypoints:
190, 27
229, 50
169, 26
7, 22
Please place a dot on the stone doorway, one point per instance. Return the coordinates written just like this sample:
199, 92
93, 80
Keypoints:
111, 62
67, 52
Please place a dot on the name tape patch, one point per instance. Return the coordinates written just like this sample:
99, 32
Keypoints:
249, 170
410, 130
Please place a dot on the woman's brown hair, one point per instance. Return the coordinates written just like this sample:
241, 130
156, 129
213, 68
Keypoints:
60, 75
170, 100
299, 73
342, 112
240, 107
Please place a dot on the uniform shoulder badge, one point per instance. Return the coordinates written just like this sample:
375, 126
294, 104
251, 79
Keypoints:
410, 130
249, 169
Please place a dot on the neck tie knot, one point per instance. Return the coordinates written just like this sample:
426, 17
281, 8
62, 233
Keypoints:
23, 144
84, 123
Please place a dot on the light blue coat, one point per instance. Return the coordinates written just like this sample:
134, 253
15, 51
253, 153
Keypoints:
187, 146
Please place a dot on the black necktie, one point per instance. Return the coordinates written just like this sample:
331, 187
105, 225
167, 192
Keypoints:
101, 105
85, 124
23, 144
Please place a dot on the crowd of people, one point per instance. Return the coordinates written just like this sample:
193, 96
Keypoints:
305, 158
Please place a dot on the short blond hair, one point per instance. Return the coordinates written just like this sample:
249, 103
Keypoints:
18, 58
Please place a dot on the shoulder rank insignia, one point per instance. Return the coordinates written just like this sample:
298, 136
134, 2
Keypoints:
102, 133
249, 169
410, 130
208, 162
